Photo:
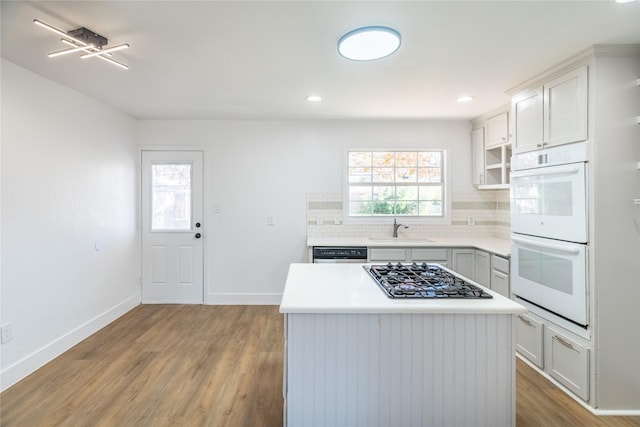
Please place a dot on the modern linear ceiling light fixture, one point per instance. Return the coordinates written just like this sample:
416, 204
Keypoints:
82, 40
369, 43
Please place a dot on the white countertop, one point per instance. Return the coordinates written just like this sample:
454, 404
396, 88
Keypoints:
495, 245
348, 288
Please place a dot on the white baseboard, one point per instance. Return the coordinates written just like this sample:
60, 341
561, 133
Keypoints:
243, 299
594, 411
617, 412
29, 364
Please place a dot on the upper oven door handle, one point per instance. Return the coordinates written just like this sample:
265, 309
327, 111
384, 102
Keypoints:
552, 246
543, 171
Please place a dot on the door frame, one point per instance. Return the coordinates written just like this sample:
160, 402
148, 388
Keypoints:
205, 200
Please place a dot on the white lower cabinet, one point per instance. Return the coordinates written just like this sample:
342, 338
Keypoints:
555, 352
500, 275
435, 255
389, 254
462, 262
483, 268
568, 362
438, 256
500, 282
529, 341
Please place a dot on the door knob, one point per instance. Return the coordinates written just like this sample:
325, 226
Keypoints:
198, 235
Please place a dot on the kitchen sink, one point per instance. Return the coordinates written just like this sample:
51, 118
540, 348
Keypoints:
400, 240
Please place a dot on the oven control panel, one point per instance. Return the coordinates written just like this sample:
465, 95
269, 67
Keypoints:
562, 155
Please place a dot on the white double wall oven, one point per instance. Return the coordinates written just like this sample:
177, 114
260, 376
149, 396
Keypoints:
549, 226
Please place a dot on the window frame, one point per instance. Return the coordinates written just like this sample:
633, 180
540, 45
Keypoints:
445, 219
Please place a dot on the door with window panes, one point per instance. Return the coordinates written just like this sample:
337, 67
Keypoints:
172, 227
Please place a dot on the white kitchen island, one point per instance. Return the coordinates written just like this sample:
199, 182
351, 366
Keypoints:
354, 357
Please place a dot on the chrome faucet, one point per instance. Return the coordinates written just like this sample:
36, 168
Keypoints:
396, 226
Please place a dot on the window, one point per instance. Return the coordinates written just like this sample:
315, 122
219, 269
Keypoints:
171, 197
396, 183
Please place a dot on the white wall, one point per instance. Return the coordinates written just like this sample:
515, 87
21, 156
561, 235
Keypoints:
260, 168
68, 189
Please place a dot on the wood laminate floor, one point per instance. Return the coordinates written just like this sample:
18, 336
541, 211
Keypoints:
180, 365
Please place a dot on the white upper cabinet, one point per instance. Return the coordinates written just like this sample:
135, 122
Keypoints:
497, 130
477, 146
526, 109
565, 108
552, 114
491, 149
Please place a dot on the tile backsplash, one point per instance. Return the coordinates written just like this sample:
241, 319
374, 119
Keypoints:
489, 210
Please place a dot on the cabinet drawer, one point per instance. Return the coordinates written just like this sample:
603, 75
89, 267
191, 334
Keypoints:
529, 339
387, 254
568, 362
429, 255
500, 264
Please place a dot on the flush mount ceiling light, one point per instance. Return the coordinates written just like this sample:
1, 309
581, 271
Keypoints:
369, 43
82, 40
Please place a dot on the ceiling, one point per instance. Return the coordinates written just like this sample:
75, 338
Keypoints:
260, 60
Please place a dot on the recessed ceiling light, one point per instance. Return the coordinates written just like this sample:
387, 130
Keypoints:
369, 43
465, 98
314, 98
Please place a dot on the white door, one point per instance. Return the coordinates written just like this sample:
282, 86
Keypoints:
172, 227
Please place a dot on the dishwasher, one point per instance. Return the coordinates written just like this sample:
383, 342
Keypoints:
339, 254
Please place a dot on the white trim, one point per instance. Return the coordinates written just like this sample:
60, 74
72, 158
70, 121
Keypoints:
616, 412
560, 321
32, 362
224, 298
206, 210
445, 219
171, 148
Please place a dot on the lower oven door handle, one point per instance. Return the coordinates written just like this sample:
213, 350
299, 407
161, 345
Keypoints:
542, 171
552, 246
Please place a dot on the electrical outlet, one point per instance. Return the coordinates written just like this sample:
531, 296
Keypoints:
7, 332
471, 221
319, 220
271, 220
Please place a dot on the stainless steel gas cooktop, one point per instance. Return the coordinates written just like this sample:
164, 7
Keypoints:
422, 281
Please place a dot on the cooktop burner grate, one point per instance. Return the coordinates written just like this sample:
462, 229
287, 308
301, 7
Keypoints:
422, 281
